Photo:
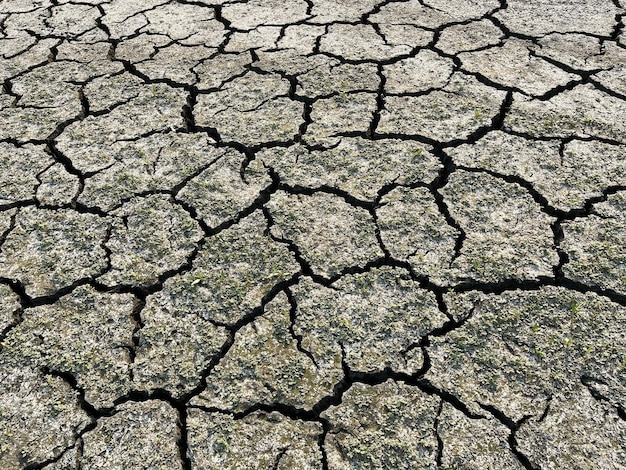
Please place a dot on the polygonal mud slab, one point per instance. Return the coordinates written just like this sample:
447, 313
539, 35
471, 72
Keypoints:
86, 334
357, 166
55, 84
123, 19
46, 97
188, 24
507, 235
40, 416
268, 364
292, 65
519, 349
261, 12
454, 112
45, 88
262, 38
473, 442
92, 46
231, 275
109, 91
468, 37
256, 441
19, 167
581, 112
567, 176
58, 187
21, 51
157, 108
331, 234
71, 20
433, 15
426, 71
575, 432
175, 62
403, 34
559, 15
174, 348
581, 51
413, 229
251, 109
140, 435
51, 249
214, 72
374, 319
360, 42
25, 124
339, 114
159, 162
512, 65
328, 11
136, 48
390, 425
596, 245
301, 38
331, 76
151, 236
225, 189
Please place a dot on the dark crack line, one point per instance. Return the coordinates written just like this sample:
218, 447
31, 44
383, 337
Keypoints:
42, 465
12, 222
440, 444
232, 329
321, 443
308, 191
279, 456
512, 440
447, 168
293, 316
183, 441
142, 291
139, 324
380, 102
619, 23
558, 237
188, 110
305, 266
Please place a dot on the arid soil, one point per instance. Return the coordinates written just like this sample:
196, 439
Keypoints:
312, 234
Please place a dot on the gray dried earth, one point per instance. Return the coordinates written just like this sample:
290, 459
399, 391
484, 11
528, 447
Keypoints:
312, 234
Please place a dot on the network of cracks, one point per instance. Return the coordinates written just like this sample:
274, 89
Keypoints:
312, 234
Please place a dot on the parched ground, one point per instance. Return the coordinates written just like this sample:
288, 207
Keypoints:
312, 234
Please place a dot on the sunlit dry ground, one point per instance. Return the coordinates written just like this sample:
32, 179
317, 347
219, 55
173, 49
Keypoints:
312, 234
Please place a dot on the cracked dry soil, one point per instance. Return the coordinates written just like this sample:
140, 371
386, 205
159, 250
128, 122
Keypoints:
312, 234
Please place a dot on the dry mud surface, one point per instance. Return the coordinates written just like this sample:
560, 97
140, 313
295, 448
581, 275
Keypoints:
312, 234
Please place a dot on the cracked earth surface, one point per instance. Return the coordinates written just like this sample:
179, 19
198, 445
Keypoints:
310, 234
